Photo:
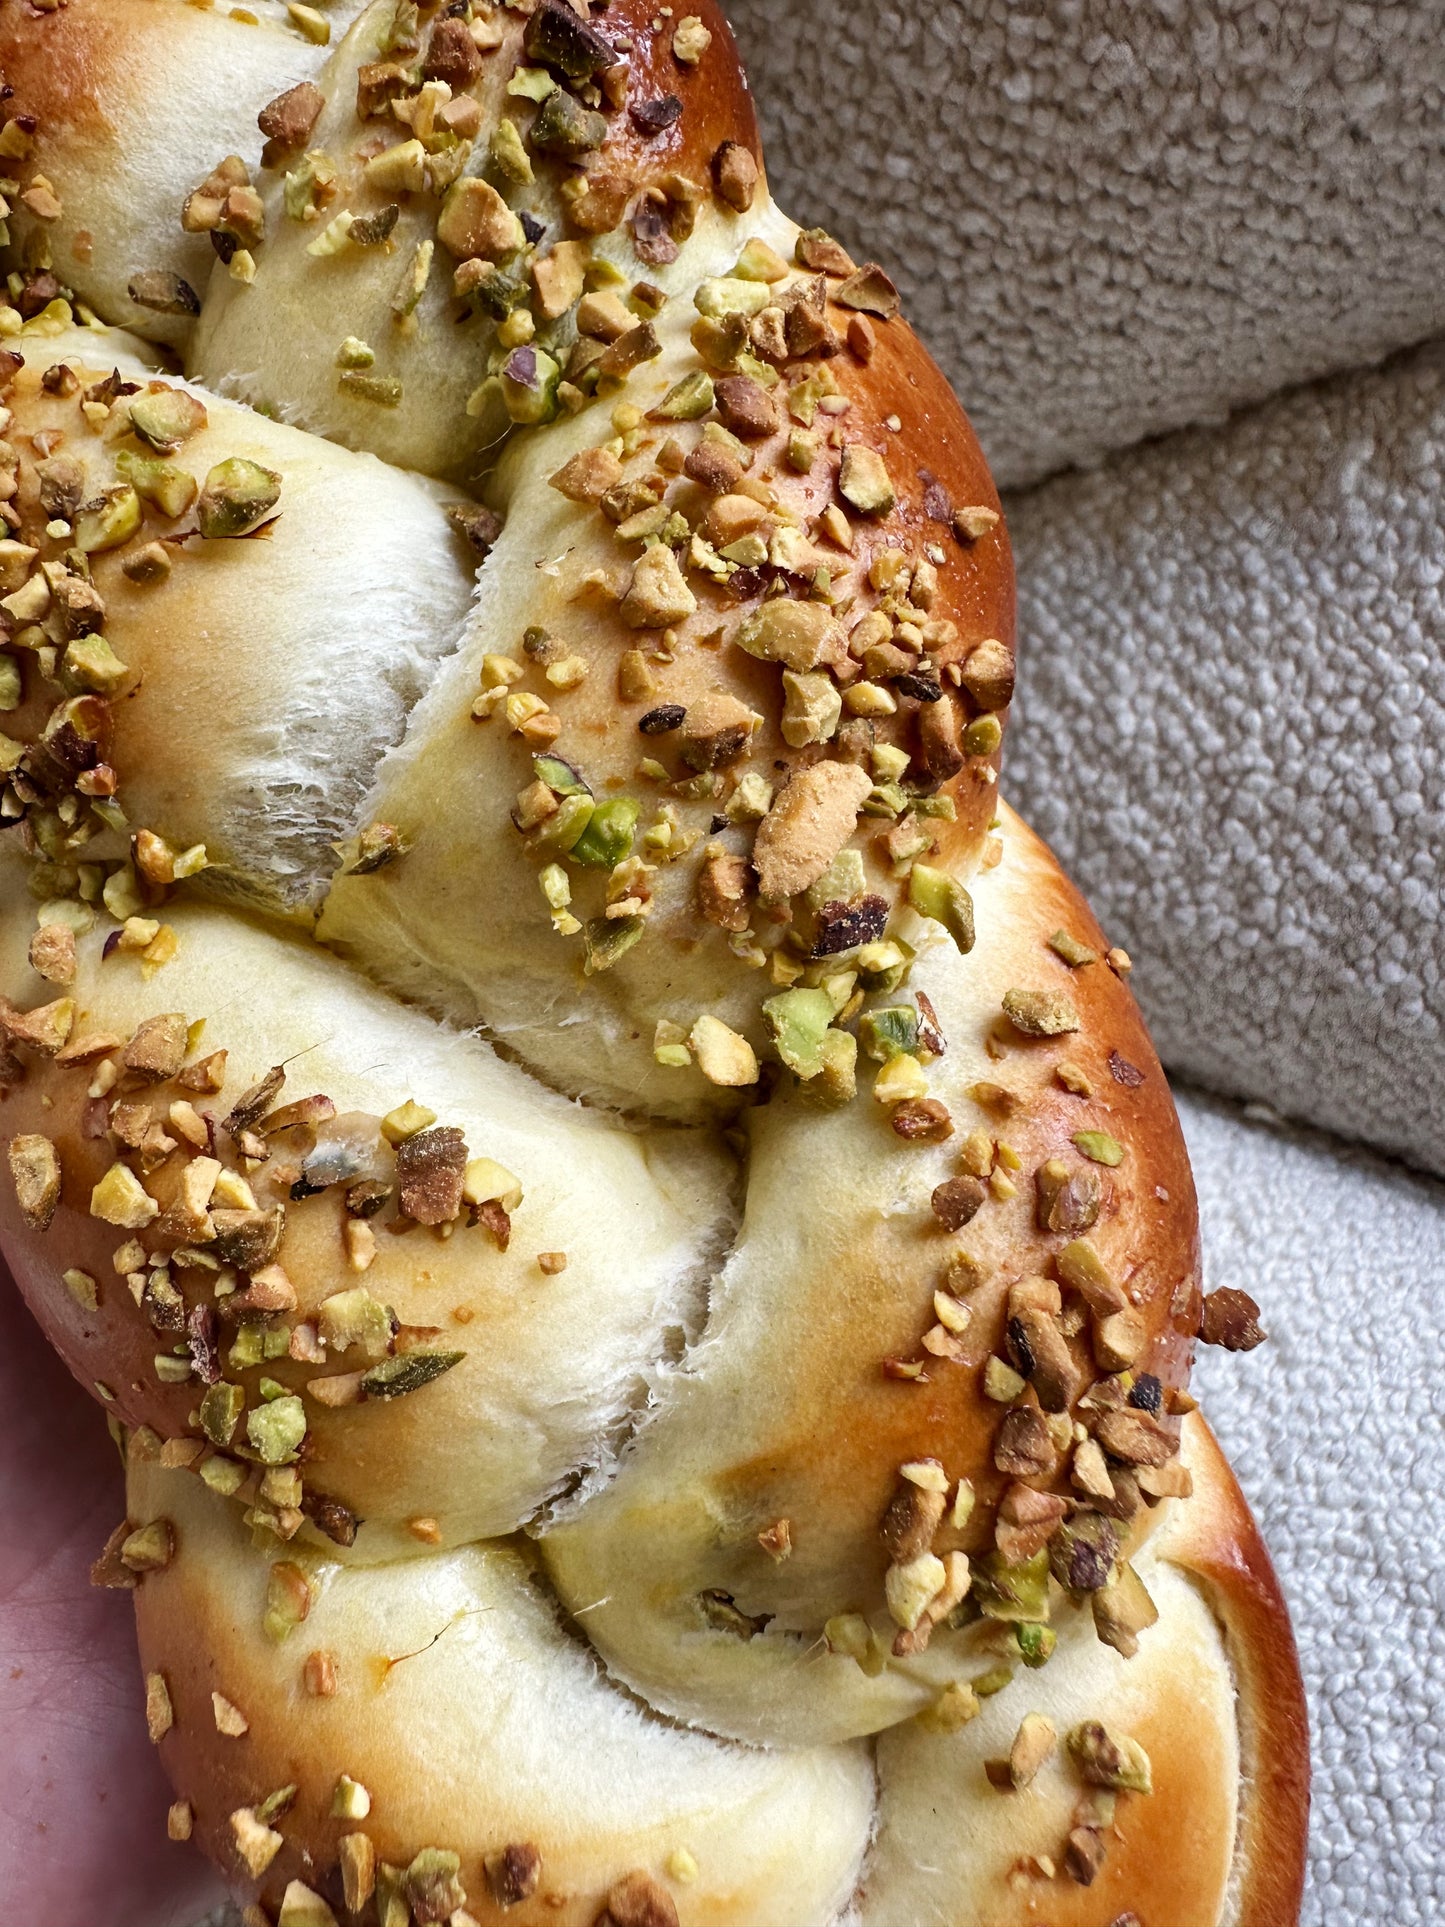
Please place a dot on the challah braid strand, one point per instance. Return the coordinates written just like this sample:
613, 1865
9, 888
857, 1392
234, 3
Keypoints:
775, 546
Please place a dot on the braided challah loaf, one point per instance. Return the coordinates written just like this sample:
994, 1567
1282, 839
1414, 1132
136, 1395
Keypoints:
536, 1505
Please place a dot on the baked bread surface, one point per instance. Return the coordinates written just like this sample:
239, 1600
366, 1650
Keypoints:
618, 1202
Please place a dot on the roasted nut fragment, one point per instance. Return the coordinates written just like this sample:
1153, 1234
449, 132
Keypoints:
957, 1200
357, 1857
723, 888
164, 293
35, 1169
512, 1873
1231, 1319
807, 826
913, 1515
1082, 1552
871, 291
988, 675
1032, 1745
1123, 1610
256, 1845
158, 1048
1136, 1438
1108, 1759
1065, 1200
1026, 1522
658, 595
238, 496
864, 481
1084, 1854
1023, 1446
736, 174
1040, 1013
290, 117
430, 1168
637, 1901
1038, 1349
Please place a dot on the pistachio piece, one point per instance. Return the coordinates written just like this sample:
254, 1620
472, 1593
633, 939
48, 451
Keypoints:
799, 635
1110, 1759
35, 1171
476, 223
109, 522
1040, 1013
397, 1377
606, 838
166, 417
935, 894
658, 595
1033, 1743
864, 481
1122, 1610
809, 823
276, 1429
722, 1056
238, 497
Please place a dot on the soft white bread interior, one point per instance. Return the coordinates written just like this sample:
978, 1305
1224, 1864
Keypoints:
548, 1362
253, 684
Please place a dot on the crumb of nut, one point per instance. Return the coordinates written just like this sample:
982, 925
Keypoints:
957, 1201
722, 1055
776, 1540
160, 1716
52, 953
1033, 1743
513, 1872
256, 1844
736, 174
229, 1719
690, 41
1040, 1013
1230, 1318
1122, 1610
150, 1548
358, 1870
350, 1800
1119, 961
180, 1820
426, 1530
35, 1172
551, 1263
1099, 1147
636, 1900
1074, 953
1109, 1759
970, 524
319, 1674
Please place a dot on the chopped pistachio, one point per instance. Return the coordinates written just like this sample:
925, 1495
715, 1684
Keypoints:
238, 497
722, 1055
114, 520
1073, 952
405, 1121
864, 481
1099, 1147
350, 1801
908, 1588
606, 839
935, 894
397, 1377
166, 417
1109, 1759
276, 1429
799, 1021
1040, 1013
120, 1199
220, 1411
1033, 1743
354, 1317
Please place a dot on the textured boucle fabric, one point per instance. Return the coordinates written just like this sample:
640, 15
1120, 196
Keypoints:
1329, 1427
1115, 217
1232, 731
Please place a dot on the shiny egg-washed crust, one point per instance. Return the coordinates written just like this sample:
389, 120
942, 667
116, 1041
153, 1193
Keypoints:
745, 609
433, 1669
